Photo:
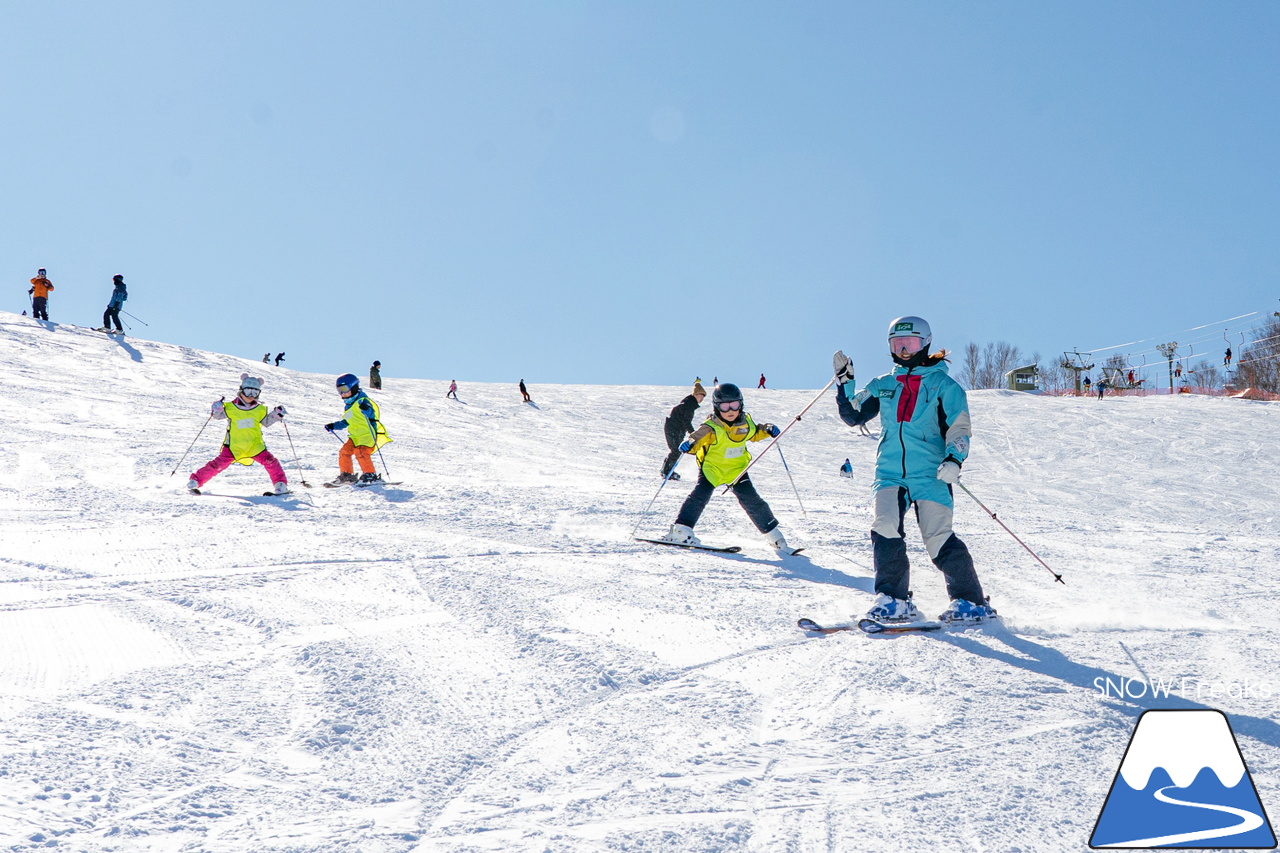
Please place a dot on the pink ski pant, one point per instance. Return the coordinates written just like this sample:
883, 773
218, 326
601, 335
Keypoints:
224, 459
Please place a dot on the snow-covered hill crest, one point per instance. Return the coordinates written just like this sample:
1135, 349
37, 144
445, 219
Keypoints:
481, 658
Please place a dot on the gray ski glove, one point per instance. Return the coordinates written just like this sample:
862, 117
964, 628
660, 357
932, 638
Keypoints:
842, 365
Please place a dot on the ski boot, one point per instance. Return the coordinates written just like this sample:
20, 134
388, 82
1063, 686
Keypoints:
681, 534
281, 488
964, 612
890, 610
779, 542
370, 479
344, 479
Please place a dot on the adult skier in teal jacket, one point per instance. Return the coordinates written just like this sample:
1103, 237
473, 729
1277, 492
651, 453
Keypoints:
924, 441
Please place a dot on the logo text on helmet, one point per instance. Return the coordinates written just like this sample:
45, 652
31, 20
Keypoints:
904, 327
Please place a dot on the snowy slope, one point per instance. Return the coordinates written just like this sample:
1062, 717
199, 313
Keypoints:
481, 659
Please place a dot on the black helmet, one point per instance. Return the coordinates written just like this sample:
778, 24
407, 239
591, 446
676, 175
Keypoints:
726, 392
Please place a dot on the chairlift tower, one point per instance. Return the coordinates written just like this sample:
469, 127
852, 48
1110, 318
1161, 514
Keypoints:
1169, 350
1074, 362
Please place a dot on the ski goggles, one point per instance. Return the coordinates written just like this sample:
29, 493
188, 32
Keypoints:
734, 406
251, 392
345, 390
906, 346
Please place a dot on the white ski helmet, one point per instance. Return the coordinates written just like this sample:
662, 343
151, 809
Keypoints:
250, 383
911, 327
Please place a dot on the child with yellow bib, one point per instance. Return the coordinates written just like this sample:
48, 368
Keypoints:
245, 417
720, 446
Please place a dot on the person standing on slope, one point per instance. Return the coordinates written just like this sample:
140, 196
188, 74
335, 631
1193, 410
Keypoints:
375, 376
761, 385
279, 358
924, 439
246, 417
524, 392
118, 296
40, 287
720, 446
453, 389
365, 432
679, 424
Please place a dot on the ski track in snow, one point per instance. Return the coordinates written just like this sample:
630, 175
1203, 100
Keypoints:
481, 659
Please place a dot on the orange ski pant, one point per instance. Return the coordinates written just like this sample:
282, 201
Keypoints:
363, 455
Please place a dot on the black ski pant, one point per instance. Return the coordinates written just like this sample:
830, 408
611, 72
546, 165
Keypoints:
674, 437
40, 307
109, 315
757, 510
889, 547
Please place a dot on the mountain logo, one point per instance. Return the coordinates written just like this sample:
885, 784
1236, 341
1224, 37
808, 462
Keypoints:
1183, 784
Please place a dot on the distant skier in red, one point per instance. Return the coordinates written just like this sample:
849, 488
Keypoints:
761, 385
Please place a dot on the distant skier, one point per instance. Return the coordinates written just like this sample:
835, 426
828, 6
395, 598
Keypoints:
1226, 361
1177, 371
279, 358
1130, 377
1102, 388
266, 358
720, 447
118, 296
761, 385
375, 376
365, 432
453, 389
925, 435
846, 470
245, 417
679, 424
1087, 389
524, 392
40, 287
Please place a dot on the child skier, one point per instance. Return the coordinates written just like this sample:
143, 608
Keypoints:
118, 296
924, 439
365, 432
245, 417
846, 470
720, 446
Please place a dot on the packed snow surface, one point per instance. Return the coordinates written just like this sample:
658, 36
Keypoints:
482, 659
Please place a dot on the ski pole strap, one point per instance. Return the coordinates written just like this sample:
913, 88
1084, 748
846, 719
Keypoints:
794, 421
1056, 576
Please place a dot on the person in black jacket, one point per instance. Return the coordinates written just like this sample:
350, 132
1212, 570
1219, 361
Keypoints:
679, 424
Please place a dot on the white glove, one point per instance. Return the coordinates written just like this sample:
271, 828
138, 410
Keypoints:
842, 365
949, 473
215, 408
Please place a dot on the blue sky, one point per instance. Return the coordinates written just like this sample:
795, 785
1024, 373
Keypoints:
640, 192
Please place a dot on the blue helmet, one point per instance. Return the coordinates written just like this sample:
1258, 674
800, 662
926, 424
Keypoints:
348, 380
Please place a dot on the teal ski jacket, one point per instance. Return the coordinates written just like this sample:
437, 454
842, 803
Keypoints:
924, 416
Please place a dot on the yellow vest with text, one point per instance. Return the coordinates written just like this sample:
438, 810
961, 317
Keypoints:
244, 431
728, 457
358, 426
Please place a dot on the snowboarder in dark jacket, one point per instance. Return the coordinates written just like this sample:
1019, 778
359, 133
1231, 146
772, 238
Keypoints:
679, 424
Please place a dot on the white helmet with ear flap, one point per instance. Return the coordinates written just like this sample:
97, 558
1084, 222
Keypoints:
250, 382
911, 327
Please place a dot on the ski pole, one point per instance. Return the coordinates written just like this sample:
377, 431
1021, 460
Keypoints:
1056, 576
296, 460
127, 314
674, 466
794, 421
787, 468
194, 440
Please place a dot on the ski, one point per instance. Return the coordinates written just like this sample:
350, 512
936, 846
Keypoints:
814, 628
379, 483
732, 549
240, 497
872, 626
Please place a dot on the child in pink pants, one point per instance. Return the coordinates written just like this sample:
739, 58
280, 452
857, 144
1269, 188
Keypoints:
246, 418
